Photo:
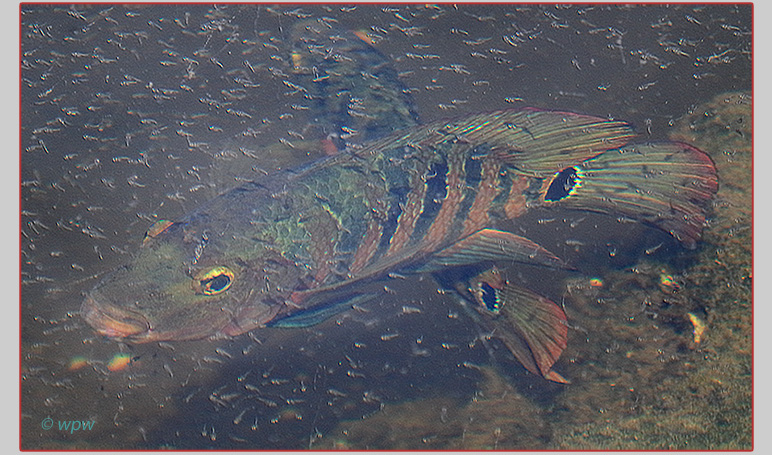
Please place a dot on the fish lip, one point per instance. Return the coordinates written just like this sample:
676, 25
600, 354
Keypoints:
114, 322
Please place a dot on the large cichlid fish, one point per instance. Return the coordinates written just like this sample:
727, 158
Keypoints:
295, 247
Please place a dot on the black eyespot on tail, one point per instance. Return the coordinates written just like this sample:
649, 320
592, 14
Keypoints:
490, 297
563, 184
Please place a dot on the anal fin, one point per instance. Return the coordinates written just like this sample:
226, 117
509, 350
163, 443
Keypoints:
493, 245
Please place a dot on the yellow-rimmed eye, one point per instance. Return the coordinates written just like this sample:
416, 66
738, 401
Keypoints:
214, 281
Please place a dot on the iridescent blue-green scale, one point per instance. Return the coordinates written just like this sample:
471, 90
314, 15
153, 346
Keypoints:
391, 165
340, 206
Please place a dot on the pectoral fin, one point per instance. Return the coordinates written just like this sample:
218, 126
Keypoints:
532, 327
315, 314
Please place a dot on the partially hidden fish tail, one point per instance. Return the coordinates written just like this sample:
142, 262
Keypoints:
344, 76
533, 328
669, 185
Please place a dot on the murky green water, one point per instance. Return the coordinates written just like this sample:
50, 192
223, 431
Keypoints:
134, 113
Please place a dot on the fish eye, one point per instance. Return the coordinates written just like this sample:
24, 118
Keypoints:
214, 281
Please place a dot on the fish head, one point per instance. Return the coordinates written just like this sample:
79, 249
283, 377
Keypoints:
186, 282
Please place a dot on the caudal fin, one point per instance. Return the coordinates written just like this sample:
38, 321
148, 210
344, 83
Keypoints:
668, 184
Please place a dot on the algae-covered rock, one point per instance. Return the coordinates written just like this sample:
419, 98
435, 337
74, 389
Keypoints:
667, 358
497, 418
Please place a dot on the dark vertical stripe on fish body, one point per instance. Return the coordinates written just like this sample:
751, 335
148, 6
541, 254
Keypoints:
487, 190
436, 190
473, 171
473, 176
411, 210
397, 197
454, 194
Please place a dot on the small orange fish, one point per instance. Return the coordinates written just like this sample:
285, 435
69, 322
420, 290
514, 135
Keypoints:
119, 362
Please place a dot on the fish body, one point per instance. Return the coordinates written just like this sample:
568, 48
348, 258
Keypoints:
296, 246
426, 199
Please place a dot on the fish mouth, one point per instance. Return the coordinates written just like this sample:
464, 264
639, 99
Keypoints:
114, 322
